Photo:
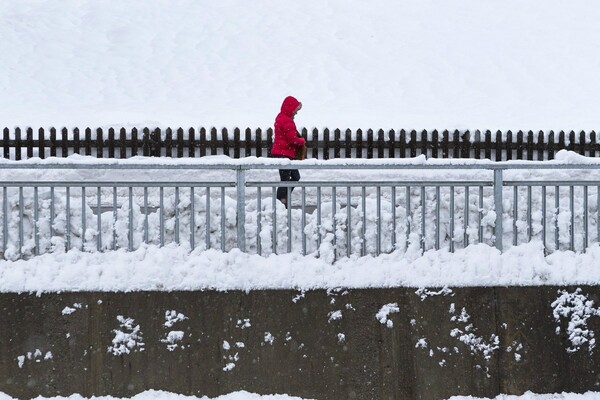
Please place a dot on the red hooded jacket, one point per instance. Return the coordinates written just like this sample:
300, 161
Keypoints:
286, 139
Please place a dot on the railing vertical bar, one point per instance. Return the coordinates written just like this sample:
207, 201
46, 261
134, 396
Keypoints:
99, 218
423, 211
241, 208
83, 227
378, 248
222, 218
598, 214
146, 214
586, 232
529, 212
289, 219
349, 223
480, 216
161, 215
177, 212
333, 222
408, 216
451, 219
35, 221
499, 208
20, 220
437, 217
318, 217
4, 218
393, 218
192, 218
51, 212
114, 224
68, 217
130, 225
515, 213
466, 220
556, 212
544, 218
207, 218
258, 219
363, 239
303, 220
572, 209
274, 220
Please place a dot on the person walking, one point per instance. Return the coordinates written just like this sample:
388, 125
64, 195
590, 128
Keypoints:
286, 143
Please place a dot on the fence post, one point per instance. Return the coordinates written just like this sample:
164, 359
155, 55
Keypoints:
241, 207
498, 185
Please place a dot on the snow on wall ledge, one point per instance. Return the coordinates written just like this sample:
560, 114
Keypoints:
175, 268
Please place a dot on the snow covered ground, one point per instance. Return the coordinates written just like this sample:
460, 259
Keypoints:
515, 64
158, 395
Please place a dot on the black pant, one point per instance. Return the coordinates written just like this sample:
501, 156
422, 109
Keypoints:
286, 175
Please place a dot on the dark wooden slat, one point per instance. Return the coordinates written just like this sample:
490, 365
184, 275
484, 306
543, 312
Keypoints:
247, 142
52, 142
192, 142
225, 138
259, 140
370, 143
519, 145
445, 143
157, 142
111, 143
424, 142
122, 144
540, 146
592, 144
571, 146
348, 144
391, 144
18, 144
359, 143
180, 144
88, 142
336, 144
561, 140
488, 145
146, 142
64, 142
169, 143
270, 139
466, 145
402, 141
434, 143
509, 146
314, 143
551, 145
413, 143
477, 145
99, 143
236, 143
581, 145
6, 145
326, 144
29, 143
134, 142
76, 141
41, 143
456, 144
530, 147
203, 145
499, 146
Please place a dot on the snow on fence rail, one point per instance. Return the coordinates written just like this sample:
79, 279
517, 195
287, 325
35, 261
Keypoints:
322, 144
330, 218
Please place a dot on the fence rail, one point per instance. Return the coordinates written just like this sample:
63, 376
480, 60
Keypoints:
322, 144
329, 218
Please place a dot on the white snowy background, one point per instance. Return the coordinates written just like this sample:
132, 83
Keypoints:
428, 64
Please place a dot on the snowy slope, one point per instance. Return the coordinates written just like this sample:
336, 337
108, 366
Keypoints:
517, 64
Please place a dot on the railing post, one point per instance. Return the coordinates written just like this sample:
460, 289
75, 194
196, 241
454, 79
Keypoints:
498, 185
241, 207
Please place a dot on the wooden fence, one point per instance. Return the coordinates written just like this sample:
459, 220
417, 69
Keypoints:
322, 144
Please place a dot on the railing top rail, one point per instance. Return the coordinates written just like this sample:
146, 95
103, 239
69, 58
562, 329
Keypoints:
106, 184
370, 183
221, 163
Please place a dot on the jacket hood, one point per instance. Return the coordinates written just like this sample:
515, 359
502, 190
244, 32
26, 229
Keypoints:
290, 104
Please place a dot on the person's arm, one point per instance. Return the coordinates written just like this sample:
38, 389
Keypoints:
291, 135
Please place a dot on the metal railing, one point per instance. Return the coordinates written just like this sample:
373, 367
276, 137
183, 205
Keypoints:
330, 218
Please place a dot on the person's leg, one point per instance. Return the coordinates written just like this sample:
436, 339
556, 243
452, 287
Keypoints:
285, 175
294, 176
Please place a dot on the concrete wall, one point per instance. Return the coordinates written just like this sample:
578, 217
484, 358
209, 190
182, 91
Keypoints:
416, 358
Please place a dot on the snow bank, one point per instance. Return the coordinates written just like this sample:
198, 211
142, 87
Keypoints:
533, 396
174, 268
160, 395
